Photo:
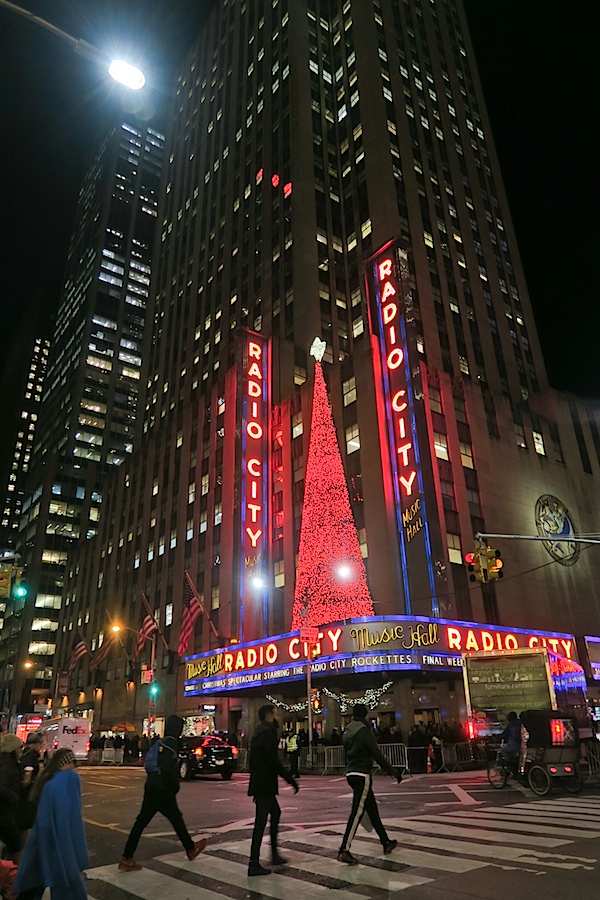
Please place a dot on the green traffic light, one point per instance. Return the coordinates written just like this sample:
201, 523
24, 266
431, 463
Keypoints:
20, 592
154, 689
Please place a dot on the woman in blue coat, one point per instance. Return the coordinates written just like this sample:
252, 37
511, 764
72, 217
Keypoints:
56, 851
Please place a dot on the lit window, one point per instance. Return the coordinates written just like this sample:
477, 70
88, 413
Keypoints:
466, 455
538, 443
440, 445
352, 439
297, 425
349, 391
454, 549
435, 400
520, 436
218, 513
168, 614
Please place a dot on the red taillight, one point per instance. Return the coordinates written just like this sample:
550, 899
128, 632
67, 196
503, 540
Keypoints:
87, 747
198, 751
471, 729
554, 770
568, 769
234, 751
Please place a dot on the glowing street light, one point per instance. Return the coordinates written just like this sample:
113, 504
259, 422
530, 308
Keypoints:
122, 71
126, 74
344, 572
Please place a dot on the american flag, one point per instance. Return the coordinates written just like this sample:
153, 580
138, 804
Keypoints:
101, 654
190, 612
78, 651
147, 628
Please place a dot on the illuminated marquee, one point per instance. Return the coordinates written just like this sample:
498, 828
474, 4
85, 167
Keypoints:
369, 644
388, 320
254, 479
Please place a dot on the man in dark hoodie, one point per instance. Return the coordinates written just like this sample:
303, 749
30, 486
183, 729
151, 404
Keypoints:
265, 767
160, 795
361, 749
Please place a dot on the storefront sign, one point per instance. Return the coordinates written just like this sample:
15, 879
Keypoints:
256, 405
389, 294
592, 645
360, 645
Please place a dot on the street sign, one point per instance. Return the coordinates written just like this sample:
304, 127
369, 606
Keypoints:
147, 676
309, 635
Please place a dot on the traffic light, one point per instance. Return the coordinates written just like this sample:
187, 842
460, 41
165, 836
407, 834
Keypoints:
315, 651
154, 689
19, 588
315, 701
494, 564
474, 567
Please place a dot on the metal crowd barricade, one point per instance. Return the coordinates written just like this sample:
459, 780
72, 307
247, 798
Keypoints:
313, 761
242, 765
108, 756
335, 758
591, 753
94, 757
397, 755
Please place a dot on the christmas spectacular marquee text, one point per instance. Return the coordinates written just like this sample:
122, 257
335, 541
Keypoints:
369, 644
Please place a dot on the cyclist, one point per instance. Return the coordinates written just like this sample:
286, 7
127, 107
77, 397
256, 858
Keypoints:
511, 741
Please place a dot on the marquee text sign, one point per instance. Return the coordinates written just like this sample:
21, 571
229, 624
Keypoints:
360, 645
256, 405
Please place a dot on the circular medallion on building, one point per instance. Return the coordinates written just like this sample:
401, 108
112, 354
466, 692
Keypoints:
554, 522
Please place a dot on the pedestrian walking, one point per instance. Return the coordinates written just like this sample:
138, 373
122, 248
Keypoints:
160, 795
30, 767
361, 749
293, 752
56, 852
10, 789
265, 767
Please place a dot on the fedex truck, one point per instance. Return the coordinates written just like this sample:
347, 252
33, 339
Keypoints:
66, 731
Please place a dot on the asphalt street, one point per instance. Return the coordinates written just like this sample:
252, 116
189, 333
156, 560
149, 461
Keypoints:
457, 838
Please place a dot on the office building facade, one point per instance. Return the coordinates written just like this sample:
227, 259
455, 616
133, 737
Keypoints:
91, 399
311, 143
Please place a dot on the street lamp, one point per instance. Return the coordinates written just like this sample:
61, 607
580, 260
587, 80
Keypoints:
152, 687
121, 71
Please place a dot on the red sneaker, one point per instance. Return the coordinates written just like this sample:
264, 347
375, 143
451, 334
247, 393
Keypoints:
129, 865
196, 849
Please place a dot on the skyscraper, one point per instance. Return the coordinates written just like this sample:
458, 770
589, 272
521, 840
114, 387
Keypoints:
90, 402
323, 155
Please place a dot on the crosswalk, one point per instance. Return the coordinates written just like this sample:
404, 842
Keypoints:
530, 836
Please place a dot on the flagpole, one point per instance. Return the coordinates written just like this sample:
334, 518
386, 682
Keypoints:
151, 614
151, 705
202, 606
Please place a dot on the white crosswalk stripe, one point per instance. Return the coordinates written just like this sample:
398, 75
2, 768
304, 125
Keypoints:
528, 836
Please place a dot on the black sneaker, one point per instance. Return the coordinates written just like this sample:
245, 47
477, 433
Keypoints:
255, 868
391, 845
346, 857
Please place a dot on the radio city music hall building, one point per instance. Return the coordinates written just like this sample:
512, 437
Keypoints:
366, 207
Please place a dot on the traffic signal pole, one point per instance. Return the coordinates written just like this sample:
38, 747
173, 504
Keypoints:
539, 537
151, 697
309, 696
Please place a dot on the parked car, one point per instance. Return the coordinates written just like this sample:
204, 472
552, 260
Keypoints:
207, 754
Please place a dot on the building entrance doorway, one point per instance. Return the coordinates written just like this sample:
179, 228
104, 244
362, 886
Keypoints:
427, 717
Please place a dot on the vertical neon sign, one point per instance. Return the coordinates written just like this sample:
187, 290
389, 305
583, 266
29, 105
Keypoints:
256, 406
389, 318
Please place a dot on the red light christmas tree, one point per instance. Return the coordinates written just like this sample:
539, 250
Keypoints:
331, 581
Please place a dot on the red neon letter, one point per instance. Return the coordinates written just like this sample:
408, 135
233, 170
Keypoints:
388, 291
511, 643
385, 269
254, 389
253, 535
396, 405
390, 310
454, 637
253, 466
395, 358
403, 451
407, 482
254, 371
251, 657
292, 648
228, 662
334, 637
254, 510
271, 653
254, 430
254, 350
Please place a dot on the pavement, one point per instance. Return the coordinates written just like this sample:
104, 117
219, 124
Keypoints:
457, 838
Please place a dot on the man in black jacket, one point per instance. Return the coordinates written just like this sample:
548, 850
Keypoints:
265, 767
160, 795
361, 749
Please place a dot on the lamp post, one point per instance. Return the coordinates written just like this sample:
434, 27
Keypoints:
152, 687
122, 71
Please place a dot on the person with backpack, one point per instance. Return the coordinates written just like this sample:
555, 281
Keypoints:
160, 795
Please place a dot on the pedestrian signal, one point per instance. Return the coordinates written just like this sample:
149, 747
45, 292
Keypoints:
315, 701
5, 582
19, 588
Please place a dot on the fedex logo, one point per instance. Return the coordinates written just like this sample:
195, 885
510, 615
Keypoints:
77, 730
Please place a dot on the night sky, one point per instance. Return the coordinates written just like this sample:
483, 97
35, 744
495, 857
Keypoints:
537, 64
